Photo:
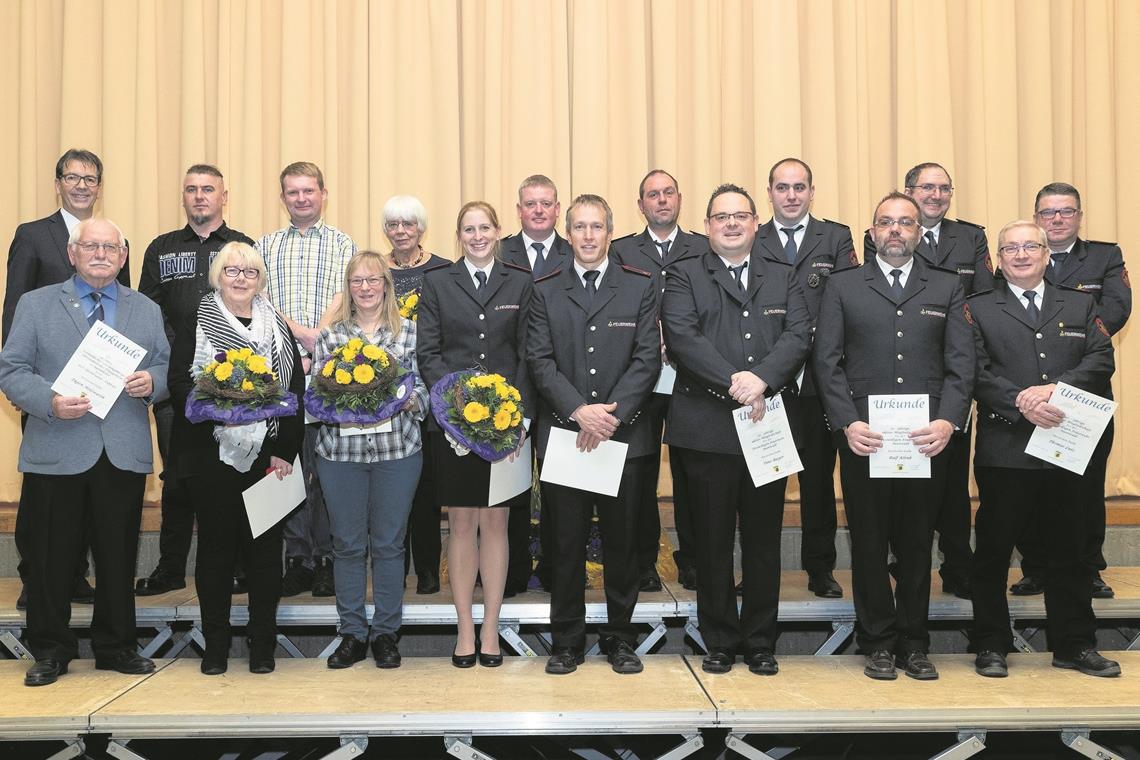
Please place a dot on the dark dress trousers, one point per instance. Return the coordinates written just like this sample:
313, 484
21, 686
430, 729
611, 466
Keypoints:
826, 248
713, 329
869, 343
963, 248
642, 251
1098, 269
598, 351
1065, 344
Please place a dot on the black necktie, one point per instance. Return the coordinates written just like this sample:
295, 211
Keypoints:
896, 286
931, 245
96, 313
1058, 258
591, 286
481, 284
790, 246
664, 246
1031, 308
738, 275
539, 260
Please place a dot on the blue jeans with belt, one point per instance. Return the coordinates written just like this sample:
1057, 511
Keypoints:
368, 508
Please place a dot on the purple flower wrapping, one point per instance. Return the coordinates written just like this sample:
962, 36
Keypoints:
326, 411
439, 407
201, 409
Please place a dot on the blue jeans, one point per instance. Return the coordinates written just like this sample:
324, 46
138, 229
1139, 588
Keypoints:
368, 512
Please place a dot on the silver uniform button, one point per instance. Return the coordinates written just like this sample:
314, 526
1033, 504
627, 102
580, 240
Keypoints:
1042, 355
899, 357
1040, 336
590, 350
593, 394
593, 371
1044, 376
899, 312
482, 317
482, 336
745, 313
899, 333
748, 336
482, 356
898, 380
751, 359
593, 327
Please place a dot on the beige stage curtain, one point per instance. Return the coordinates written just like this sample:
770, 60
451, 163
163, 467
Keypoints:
452, 100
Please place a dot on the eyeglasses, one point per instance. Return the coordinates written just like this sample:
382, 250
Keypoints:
1011, 249
401, 223
233, 272
885, 222
1064, 213
930, 188
742, 217
71, 180
108, 248
358, 282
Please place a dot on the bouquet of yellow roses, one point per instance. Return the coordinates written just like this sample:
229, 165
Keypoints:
482, 411
358, 384
409, 304
238, 387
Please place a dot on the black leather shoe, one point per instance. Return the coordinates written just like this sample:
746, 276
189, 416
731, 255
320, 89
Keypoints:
83, 593
1028, 586
718, 661
1100, 589
650, 581
1090, 663
564, 661
261, 660
463, 660
214, 665
240, 585
918, 666
125, 661
824, 585
323, 578
959, 587
45, 672
490, 660
385, 651
762, 663
22, 599
621, 656
157, 583
427, 583
880, 665
297, 577
991, 664
687, 577
350, 651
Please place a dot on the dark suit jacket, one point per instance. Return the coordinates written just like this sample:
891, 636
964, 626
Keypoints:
866, 343
1098, 268
1065, 345
609, 352
512, 252
457, 330
713, 330
962, 248
38, 257
641, 252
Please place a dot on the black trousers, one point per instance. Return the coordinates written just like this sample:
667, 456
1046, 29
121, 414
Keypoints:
1013, 501
570, 510
108, 501
721, 493
649, 512
177, 514
423, 535
1034, 556
953, 520
896, 515
224, 538
817, 489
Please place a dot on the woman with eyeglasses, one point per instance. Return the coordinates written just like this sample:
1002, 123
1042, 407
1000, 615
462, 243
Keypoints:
218, 462
370, 474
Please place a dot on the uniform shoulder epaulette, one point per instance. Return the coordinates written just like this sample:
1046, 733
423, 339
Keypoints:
635, 270
845, 270
444, 265
1071, 288
969, 223
937, 268
837, 224
1101, 242
630, 236
512, 265
694, 233
546, 277
979, 293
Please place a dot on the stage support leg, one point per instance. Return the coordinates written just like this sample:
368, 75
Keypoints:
1078, 740
118, 748
736, 743
162, 636
691, 744
460, 746
350, 746
289, 646
11, 641
74, 748
970, 743
841, 630
330, 648
694, 633
1021, 638
510, 634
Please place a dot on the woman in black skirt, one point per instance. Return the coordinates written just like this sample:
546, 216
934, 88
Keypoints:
474, 313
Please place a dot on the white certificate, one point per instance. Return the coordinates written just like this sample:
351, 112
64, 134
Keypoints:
509, 479
895, 417
665, 380
1071, 444
598, 471
269, 500
769, 450
99, 367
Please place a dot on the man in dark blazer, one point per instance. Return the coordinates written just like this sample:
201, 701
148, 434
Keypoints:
594, 352
737, 327
959, 246
80, 469
815, 248
657, 249
1098, 269
1030, 335
38, 257
891, 327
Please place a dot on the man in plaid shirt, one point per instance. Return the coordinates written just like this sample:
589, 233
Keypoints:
305, 262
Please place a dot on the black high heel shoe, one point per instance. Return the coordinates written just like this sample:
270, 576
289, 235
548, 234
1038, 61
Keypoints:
490, 660
465, 660
261, 656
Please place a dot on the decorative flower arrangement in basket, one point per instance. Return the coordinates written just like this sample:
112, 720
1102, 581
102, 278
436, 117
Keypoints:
359, 384
481, 411
236, 388
409, 304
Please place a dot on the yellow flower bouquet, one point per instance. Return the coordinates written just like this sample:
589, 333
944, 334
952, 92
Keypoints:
409, 304
358, 384
482, 411
236, 387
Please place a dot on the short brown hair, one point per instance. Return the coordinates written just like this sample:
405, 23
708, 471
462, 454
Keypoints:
303, 169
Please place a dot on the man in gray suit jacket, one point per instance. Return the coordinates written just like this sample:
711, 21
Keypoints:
79, 469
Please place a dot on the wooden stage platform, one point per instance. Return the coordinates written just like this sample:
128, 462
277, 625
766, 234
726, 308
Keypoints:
673, 697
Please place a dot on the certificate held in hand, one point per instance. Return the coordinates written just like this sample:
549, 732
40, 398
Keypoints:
768, 447
1070, 445
895, 417
98, 368
597, 471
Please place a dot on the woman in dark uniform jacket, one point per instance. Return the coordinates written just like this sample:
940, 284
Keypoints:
474, 313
